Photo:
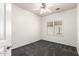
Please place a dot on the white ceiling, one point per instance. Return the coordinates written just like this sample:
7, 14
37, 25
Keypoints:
31, 6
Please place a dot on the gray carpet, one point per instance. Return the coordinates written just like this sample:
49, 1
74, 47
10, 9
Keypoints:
45, 48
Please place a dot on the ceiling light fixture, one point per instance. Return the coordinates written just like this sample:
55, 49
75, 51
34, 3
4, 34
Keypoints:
43, 8
57, 8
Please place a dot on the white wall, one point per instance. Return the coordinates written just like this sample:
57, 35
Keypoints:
8, 28
69, 25
78, 28
1, 21
25, 27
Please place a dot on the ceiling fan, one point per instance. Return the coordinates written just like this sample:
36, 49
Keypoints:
43, 8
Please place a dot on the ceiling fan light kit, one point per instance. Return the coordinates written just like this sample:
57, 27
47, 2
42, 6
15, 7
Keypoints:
43, 8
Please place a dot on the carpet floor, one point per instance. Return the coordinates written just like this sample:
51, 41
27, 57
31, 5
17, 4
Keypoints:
45, 48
